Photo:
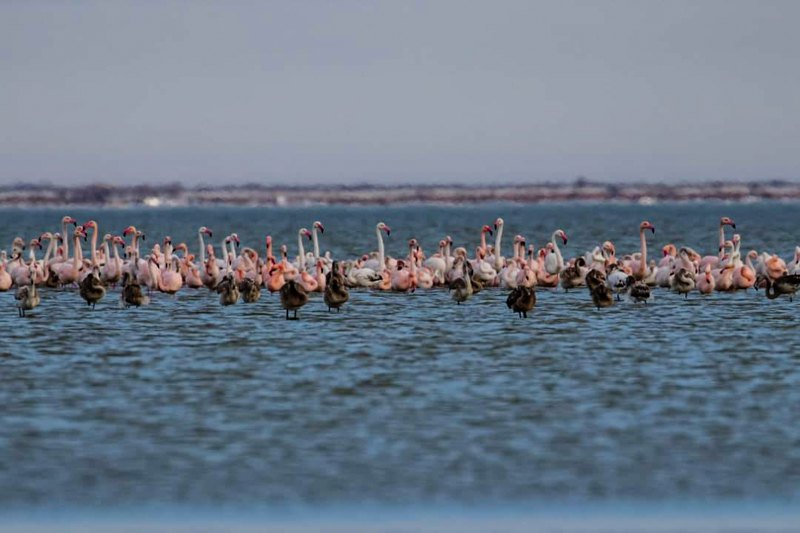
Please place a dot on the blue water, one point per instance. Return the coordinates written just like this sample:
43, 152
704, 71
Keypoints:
404, 399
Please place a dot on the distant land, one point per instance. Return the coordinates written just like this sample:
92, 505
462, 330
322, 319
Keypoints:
279, 195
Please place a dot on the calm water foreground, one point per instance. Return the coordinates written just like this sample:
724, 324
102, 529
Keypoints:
405, 400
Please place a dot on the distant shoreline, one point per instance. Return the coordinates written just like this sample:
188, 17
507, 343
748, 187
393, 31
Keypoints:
176, 195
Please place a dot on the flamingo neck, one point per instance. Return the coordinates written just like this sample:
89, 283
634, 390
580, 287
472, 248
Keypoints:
302, 252
316, 243
381, 251
224, 252
49, 252
66, 240
483, 241
643, 265
498, 255
557, 250
202, 247
78, 252
721, 240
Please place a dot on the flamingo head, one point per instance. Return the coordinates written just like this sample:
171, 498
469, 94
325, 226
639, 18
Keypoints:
609, 248
69, 220
669, 249
167, 240
91, 224
319, 226
130, 230
383, 227
118, 240
448, 239
498, 223
305, 233
206, 231
486, 229
647, 225
46, 235
234, 238
736, 238
80, 232
36, 243
725, 221
560, 233
269, 240
412, 243
400, 264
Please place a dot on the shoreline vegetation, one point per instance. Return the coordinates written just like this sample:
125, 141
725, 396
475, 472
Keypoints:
254, 194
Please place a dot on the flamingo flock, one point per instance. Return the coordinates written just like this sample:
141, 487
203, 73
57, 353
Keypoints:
237, 273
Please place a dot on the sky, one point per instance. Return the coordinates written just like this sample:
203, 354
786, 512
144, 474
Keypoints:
402, 91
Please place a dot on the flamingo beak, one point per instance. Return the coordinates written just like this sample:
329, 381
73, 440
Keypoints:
564, 238
143, 236
653, 229
387, 230
321, 228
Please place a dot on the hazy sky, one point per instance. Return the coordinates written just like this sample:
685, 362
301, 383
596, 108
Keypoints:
401, 91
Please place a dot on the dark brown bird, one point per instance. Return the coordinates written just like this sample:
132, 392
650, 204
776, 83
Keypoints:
638, 291
573, 275
91, 288
228, 291
521, 300
293, 297
784, 285
595, 278
250, 291
336, 293
132, 292
602, 296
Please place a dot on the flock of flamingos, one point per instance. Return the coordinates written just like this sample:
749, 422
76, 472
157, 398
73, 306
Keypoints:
241, 274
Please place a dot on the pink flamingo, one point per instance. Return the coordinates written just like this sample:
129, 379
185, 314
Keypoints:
705, 282
5, 277
714, 260
640, 267
69, 272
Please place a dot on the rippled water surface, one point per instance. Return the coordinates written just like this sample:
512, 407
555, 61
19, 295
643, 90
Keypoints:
404, 398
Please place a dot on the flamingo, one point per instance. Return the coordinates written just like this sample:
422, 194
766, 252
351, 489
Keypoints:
714, 260
554, 262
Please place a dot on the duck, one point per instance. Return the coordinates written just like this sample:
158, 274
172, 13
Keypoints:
521, 300
91, 287
293, 297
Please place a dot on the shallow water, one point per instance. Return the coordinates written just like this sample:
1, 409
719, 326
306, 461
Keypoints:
405, 399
